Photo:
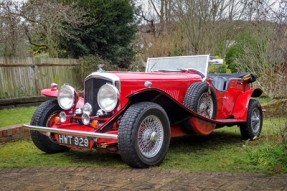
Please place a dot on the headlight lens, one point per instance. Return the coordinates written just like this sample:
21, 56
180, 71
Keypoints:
66, 97
108, 97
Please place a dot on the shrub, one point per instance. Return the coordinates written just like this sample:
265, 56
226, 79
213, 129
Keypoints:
284, 137
276, 108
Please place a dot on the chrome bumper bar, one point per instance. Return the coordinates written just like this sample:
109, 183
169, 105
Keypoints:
71, 132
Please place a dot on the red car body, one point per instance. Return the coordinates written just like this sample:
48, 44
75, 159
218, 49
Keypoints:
166, 93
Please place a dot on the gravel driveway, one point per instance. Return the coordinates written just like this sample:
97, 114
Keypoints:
82, 178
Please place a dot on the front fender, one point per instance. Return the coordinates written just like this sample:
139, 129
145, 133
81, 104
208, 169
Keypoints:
50, 92
241, 106
175, 110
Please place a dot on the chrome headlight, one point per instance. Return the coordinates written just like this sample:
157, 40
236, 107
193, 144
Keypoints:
108, 97
63, 117
86, 119
66, 97
87, 108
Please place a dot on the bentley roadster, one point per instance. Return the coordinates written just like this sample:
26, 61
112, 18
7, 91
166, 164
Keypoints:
135, 114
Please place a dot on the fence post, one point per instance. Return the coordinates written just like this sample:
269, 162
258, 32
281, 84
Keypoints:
36, 79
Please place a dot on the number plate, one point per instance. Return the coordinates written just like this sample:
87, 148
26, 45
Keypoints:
74, 141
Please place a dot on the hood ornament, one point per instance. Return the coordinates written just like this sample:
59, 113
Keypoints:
100, 68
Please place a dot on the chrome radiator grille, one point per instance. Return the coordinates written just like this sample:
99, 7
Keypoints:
92, 86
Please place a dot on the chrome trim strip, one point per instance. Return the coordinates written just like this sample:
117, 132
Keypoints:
103, 75
107, 76
71, 132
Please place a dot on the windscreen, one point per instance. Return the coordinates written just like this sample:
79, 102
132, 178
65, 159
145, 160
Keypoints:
199, 62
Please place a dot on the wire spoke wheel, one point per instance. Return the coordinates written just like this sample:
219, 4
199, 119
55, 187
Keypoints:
200, 97
253, 126
205, 105
144, 135
255, 120
150, 136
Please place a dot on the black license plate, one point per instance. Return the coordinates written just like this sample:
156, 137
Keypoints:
74, 141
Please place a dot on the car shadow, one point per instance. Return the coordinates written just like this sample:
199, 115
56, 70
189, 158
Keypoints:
214, 140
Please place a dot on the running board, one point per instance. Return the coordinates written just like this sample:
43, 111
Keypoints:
230, 121
71, 132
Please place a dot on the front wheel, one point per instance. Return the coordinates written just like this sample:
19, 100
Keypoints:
44, 116
144, 135
252, 128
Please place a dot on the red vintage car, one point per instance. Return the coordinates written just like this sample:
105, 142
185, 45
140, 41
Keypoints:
136, 114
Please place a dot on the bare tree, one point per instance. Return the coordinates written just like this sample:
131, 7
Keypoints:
44, 22
156, 14
205, 25
199, 23
268, 57
201, 26
12, 39
265, 58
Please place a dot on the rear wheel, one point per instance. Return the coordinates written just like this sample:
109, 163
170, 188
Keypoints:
44, 116
144, 135
252, 128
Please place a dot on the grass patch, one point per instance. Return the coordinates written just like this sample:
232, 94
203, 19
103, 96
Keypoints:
265, 100
222, 151
23, 153
269, 158
16, 116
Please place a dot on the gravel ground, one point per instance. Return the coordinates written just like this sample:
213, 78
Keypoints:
82, 178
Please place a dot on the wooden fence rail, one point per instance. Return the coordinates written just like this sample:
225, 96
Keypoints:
25, 77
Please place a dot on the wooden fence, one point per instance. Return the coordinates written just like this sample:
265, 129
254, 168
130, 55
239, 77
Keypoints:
25, 77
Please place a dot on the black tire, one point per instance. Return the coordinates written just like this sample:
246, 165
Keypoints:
192, 99
194, 95
154, 138
41, 117
253, 126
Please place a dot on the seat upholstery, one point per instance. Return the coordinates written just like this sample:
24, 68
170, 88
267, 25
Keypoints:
219, 83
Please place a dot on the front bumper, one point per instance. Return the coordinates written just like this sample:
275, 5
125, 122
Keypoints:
71, 132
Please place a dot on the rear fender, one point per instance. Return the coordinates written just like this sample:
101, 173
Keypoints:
241, 106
